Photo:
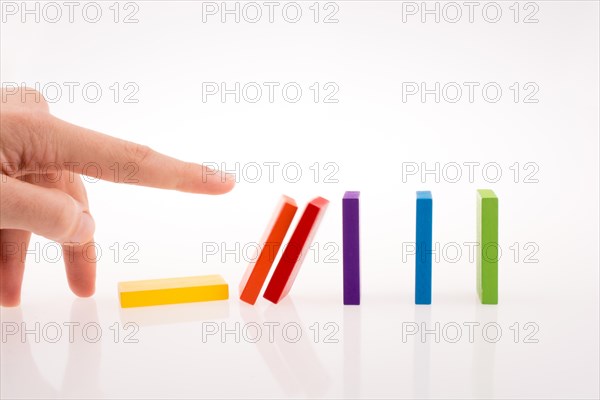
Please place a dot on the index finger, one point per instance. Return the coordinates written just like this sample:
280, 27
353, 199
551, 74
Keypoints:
137, 164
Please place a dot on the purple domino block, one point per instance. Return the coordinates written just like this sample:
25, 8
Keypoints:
351, 237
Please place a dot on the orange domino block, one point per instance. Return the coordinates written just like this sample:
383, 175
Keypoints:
258, 270
189, 289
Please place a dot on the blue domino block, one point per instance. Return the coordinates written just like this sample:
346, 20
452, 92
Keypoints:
423, 248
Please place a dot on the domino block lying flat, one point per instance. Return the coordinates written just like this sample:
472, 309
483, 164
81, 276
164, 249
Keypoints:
351, 241
257, 271
487, 253
291, 260
173, 290
423, 247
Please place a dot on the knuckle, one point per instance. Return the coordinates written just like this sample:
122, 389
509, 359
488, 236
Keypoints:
24, 122
34, 97
65, 217
38, 123
25, 97
28, 131
24, 137
137, 153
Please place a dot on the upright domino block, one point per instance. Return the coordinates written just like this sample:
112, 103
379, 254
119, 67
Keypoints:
156, 292
291, 260
257, 271
351, 241
423, 244
487, 253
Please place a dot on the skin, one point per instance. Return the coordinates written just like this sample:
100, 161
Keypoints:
55, 205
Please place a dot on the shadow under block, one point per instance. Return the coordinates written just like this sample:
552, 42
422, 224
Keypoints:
423, 248
258, 270
351, 246
487, 253
291, 260
156, 292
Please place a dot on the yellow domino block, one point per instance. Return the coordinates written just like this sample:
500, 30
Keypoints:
189, 289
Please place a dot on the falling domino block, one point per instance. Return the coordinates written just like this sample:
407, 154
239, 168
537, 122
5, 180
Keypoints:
257, 271
351, 241
487, 253
423, 248
291, 260
156, 292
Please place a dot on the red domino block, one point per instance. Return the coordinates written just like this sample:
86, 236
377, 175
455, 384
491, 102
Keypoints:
291, 260
258, 270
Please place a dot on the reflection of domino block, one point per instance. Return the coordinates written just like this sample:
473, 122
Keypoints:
487, 253
257, 271
423, 248
351, 239
173, 290
291, 260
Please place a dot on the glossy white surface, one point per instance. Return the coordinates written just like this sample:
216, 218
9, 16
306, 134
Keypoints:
367, 135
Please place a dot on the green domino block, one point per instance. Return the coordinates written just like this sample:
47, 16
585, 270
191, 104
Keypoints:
487, 253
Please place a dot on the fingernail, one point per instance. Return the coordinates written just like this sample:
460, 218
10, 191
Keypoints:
85, 230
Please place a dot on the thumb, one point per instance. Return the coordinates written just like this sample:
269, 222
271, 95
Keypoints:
47, 212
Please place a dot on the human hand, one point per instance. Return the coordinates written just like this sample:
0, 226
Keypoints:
55, 205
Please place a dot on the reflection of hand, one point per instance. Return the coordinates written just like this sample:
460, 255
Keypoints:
55, 204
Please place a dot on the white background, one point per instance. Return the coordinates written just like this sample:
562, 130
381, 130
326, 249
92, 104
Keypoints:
368, 134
